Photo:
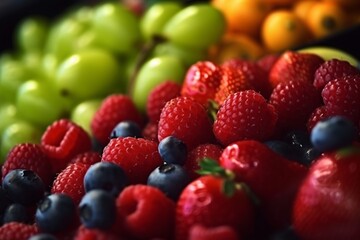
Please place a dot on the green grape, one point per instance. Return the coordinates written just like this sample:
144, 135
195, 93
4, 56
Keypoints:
38, 102
86, 40
116, 28
49, 66
89, 74
154, 72
187, 55
32, 33
83, 14
196, 26
16, 133
33, 61
83, 113
155, 18
8, 115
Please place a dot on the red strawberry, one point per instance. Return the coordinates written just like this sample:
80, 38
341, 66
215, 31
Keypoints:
158, 98
150, 131
187, 120
198, 232
294, 66
273, 179
267, 62
89, 158
17, 231
31, 157
204, 202
63, 140
255, 75
137, 156
333, 69
84, 233
244, 115
202, 151
147, 212
327, 205
202, 81
70, 181
114, 109
294, 101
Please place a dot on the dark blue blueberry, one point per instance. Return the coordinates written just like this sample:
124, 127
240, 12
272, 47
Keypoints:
23, 186
310, 155
4, 201
288, 151
97, 209
171, 179
55, 213
43, 236
333, 133
285, 234
172, 150
16, 213
126, 129
96, 145
107, 176
298, 138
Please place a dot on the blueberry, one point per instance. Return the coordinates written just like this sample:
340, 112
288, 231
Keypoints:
23, 186
310, 155
55, 213
171, 179
288, 151
107, 176
333, 133
97, 209
126, 129
172, 150
16, 213
43, 236
285, 234
298, 138
4, 201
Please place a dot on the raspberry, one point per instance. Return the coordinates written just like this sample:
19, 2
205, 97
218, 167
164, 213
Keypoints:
333, 69
319, 113
146, 211
28, 156
186, 120
89, 158
199, 232
84, 233
158, 98
17, 231
63, 140
150, 131
113, 110
267, 62
136, 156
244, 115
71, 181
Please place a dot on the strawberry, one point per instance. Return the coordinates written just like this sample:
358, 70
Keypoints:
256, 76
294, 101
267, 62
28, 156
244, 115
89, 158
150, 131
114, 109
205, 202
17, 231
84, 233
272, 178
327, 205
70, 181
198, 232
159, 96
202, 151
202, 81
62, 140
138, 157
295, 66
333, 69
147, 212
186, 120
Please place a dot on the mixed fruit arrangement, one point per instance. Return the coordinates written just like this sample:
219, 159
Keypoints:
169, 144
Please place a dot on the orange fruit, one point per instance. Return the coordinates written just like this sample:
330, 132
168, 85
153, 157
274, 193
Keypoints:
302, 8
280, 2
346, 3
326, 18
282, 30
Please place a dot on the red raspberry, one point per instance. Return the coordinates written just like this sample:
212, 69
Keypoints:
244, 115
150, 131
186, 120
63, 140
202, 81
197, 154
199, 232
71, 181
84, 233
89, 158
331, 70
294, 101
158, 98
320, 113
17, 231
267, 62
31, 157
147, 212
114, 109
138, 157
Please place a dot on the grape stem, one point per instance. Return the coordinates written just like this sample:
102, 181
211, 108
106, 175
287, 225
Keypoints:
142, 58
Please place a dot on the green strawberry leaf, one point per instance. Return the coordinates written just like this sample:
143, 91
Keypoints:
348, 151
213, 108
229, 187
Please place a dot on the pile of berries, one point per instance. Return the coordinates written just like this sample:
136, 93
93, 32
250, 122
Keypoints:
242, 150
